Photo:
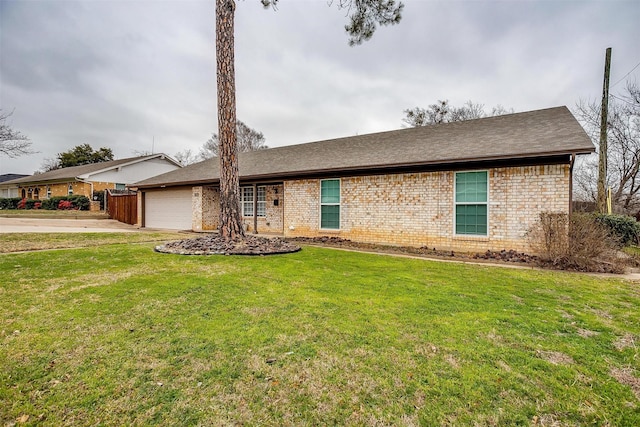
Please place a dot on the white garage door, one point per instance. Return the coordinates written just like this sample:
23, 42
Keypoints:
169, 209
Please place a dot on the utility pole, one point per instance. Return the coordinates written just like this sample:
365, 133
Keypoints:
602, 163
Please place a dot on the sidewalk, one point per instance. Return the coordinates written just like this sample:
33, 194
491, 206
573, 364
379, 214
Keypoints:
51, 225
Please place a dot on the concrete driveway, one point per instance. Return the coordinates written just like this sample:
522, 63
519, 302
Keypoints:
48, 225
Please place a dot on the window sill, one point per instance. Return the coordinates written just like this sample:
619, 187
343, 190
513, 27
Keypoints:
473, 237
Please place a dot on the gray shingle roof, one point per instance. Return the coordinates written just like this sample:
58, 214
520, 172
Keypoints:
541, 133
73, 172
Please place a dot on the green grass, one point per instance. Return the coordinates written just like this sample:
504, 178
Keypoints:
17, 242
120, 335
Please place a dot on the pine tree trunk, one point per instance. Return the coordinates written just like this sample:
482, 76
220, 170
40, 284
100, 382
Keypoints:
230, 219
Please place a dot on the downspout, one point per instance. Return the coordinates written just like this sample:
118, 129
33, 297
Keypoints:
571, 163
90, 184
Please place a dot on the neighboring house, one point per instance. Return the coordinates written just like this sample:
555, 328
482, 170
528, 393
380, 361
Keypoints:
86, 179
468, 186
9, 190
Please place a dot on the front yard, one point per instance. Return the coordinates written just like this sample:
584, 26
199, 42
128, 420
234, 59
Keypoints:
119, 335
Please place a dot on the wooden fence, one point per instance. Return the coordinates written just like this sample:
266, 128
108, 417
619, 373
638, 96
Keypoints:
122, 205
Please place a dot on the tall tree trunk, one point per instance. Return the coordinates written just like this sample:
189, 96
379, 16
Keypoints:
230, 219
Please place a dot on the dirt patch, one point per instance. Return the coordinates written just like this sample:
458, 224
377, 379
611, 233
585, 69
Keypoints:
625, 376
555, 357
214, 244
624, 342
586, 333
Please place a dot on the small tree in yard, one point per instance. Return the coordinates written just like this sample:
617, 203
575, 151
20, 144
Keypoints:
577, 242
364, 16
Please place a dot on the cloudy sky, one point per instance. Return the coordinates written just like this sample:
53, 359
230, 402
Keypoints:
139, 75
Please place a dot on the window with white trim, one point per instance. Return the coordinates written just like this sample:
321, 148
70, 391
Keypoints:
471, 200
262, 201
330, 204
247, 201
70, 190
48, 192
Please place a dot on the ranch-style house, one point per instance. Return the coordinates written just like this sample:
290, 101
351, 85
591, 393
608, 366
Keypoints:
466, 186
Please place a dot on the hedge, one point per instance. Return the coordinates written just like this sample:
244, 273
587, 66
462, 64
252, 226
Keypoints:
77, 202
625, 228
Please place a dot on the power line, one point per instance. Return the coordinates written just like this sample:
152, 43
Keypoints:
622, 100
625, 76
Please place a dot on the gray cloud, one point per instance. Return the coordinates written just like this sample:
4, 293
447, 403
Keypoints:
131, 74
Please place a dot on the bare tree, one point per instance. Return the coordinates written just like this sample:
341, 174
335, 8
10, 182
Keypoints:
444, 112
13, 143
248, 140
49, 164
364, 16
623, 126
186, 157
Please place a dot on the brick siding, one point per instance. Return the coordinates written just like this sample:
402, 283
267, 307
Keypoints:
417, 209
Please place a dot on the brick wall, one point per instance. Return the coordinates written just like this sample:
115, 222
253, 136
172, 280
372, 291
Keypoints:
417, 209
62, 189
205, 204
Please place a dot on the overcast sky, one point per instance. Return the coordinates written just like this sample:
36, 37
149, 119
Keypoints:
139, 75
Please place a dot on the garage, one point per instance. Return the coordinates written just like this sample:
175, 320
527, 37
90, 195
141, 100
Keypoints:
169, 209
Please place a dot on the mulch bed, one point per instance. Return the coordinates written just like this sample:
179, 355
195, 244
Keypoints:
501, 256
213, 244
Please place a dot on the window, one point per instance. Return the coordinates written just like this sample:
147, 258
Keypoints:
121, 186
247, 201
70, 191
48, 192
262, 201
471, 190
330, 203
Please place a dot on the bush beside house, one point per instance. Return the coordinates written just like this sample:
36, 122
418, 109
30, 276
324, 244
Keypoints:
54, 203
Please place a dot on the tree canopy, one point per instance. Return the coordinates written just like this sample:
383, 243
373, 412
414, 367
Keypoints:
12, 143
248, 140
444, 112
364, 16
79, 155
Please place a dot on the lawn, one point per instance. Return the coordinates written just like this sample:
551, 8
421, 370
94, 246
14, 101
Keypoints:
120, 335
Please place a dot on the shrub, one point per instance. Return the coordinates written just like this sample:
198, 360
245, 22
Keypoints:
9, 202
579, 242
549, 237
625, 228
22, 204
80, 202
76, 202
65, 205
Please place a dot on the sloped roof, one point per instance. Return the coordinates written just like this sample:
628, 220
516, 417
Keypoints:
10, 177
75, 172
541, 133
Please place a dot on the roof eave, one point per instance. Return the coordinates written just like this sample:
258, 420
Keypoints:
377, 168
